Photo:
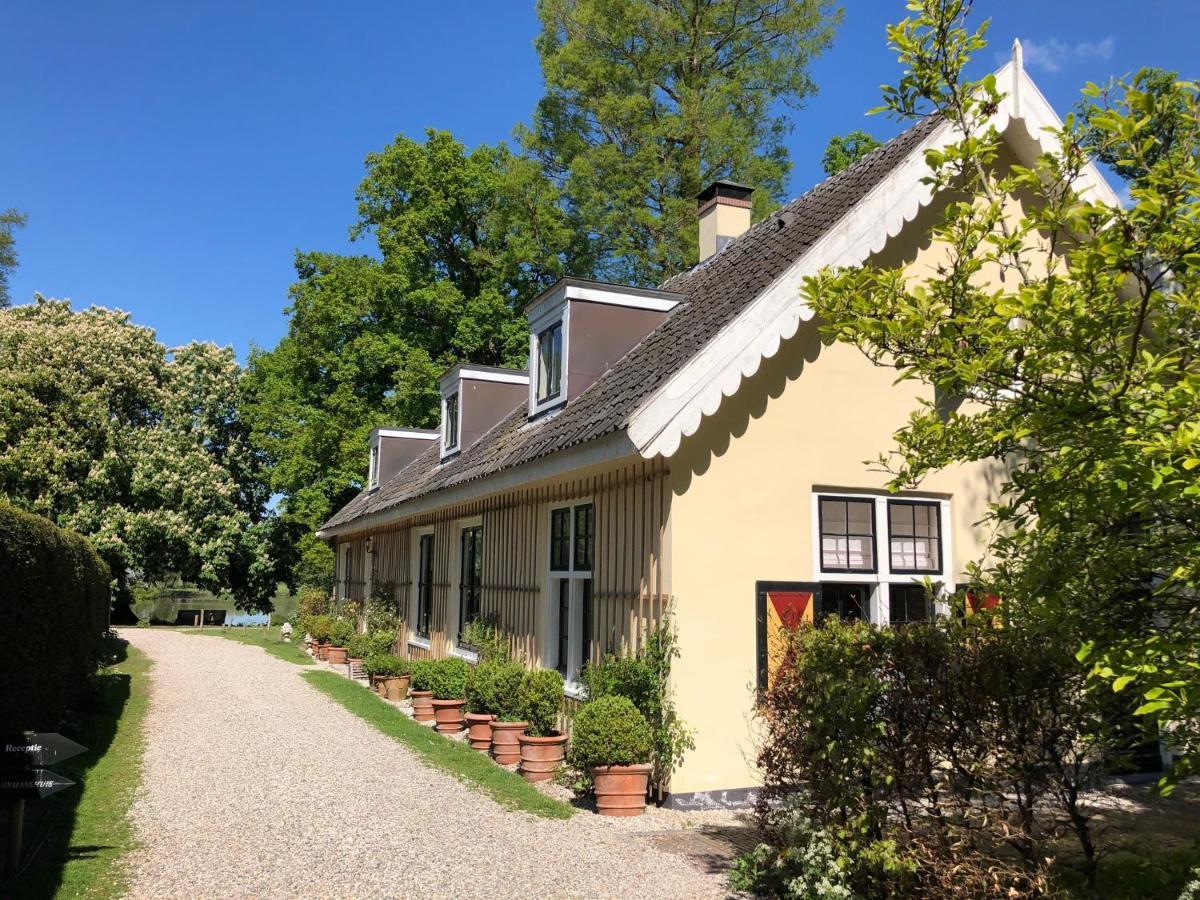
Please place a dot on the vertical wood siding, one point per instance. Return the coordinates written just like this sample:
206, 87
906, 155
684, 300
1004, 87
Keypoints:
630, 576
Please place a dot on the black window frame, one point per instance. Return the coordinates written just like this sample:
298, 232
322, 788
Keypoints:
563, 662
450, 425
424, 586
896, 589
830, 593
560, 538
470, 583
585, 542
556, 372
822, 499
937, 518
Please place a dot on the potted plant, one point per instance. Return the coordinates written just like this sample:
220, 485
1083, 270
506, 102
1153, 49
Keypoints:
422, 696
491, 695
390, 674
449, 687
321, 628
339, 636
358, 648
612, 741
543, 746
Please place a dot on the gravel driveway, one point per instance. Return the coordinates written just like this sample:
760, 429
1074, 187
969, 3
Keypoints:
256, 784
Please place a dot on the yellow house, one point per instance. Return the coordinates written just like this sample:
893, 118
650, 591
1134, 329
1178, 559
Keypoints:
698, 447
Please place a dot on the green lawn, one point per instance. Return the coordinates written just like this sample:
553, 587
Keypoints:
78, 839
267, 638
470, 766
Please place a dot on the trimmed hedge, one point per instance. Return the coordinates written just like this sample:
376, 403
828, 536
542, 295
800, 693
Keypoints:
53, 614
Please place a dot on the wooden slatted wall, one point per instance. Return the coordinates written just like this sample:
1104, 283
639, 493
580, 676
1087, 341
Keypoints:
631, 584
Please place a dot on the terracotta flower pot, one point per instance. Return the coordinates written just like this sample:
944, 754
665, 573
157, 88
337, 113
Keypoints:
621, 790
395, 687
377, 685
449, 715
541, 756
322, 650
337, 656
479, 731
422, 705
506, 748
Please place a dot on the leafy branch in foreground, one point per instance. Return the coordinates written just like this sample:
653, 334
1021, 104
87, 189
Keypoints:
1066, 329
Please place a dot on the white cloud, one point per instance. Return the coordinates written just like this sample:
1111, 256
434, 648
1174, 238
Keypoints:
1053, 55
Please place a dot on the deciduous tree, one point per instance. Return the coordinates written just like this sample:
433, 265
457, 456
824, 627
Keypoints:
647, 101
10, 221
844, 150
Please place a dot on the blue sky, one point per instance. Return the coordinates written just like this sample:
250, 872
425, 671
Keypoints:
172, 157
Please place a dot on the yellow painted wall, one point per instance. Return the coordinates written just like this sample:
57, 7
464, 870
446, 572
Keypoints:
743, 486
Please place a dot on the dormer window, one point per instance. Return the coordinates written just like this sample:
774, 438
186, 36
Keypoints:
450, 424
549, 368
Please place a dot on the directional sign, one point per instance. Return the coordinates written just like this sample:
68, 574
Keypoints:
40, 783
39, 749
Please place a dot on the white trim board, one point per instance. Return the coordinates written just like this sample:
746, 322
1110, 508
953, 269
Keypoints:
698, 388
417, 434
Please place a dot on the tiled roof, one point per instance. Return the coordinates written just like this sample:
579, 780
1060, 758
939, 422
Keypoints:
716, 290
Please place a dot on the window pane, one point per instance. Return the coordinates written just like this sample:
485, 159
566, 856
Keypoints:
560, 539
909, 604
586, 621
549, 374
450, 426
584, 536
425, 586
914, 539
564, 624
847, 534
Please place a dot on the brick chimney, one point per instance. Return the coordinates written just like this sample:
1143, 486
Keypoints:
724, 212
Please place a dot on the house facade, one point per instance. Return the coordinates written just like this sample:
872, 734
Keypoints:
697, 449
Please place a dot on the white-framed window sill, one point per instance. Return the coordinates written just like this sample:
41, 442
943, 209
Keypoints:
574, 690
462, 653
419, 642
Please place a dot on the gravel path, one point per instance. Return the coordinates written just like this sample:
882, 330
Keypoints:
256, 784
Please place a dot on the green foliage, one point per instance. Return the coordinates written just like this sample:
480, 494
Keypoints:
143, 450
54, 610
893, 742
647, 103
448, 678
422, 675
844, 150
493, 687
805, 865
383, 612
320, 627
540, 701
645, 679
610, 731
342, 631
10, 221
386, 664
1081, 365
485, 637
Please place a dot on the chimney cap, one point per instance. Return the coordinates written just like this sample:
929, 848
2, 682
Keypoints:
723, 188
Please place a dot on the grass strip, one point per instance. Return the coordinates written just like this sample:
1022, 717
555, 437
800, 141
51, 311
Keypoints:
475, 769
79, 838
267, 638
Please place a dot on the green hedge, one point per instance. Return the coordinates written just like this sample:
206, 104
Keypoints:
53, 613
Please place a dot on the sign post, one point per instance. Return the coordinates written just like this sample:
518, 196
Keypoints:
23, 778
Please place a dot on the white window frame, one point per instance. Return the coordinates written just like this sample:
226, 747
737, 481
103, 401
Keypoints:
455, 611
557, 315
414, 597
373, 466
882, 578
572, 686
457, 393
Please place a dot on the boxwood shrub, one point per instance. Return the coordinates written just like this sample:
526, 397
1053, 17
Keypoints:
386, 664
341, 632
53, 614
493, 687
422, 675
540, 700
448, 678
610, 732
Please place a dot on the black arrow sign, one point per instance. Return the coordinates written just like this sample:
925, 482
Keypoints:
40, 783
40, 749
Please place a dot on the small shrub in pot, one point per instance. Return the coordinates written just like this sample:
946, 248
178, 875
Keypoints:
390, 674
542, 746
492, 688
422, 696
612, 740
449, 687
